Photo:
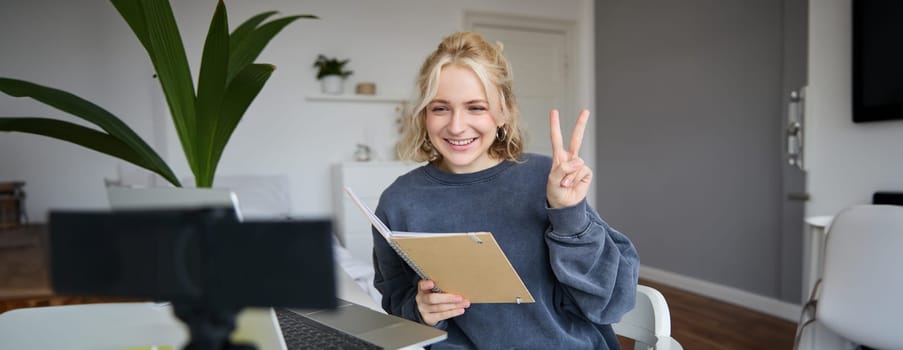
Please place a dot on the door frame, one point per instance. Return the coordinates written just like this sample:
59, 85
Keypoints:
794, 191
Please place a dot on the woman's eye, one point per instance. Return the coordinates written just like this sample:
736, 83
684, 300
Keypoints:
477, 108
438, 109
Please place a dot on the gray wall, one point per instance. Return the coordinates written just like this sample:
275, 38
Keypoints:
689, 114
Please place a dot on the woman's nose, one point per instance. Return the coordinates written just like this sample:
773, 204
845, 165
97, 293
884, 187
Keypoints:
456, 124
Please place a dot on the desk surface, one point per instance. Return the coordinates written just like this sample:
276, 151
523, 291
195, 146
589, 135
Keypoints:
119, 325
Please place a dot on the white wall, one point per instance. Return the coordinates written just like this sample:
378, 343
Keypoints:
78, 47
86, 48
846, 162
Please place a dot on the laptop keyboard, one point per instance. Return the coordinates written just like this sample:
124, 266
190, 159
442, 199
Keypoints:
302, 333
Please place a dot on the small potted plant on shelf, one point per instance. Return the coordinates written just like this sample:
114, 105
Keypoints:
331, 74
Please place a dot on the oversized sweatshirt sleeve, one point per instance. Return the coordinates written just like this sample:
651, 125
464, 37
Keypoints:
394, 279
596, 265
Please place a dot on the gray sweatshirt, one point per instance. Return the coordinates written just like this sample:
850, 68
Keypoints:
582, 272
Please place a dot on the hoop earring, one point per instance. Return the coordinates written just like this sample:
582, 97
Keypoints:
501, 134
427, 146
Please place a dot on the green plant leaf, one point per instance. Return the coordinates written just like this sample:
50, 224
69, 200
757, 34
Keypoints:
241, 32
168, 57
85, 137
211, 88
253, 44
133, 14
88, 111
239, 95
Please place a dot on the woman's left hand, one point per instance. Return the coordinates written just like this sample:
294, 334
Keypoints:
569, 178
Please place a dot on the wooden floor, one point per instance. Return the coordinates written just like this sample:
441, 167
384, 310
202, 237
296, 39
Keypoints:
697, 322
701, 323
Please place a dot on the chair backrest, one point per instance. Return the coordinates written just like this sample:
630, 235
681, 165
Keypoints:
261, 196
649, 323
862, 283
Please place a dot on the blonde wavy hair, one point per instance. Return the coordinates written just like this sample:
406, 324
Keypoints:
465, 49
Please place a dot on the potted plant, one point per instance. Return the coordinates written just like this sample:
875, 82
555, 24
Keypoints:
228, 82
331, 73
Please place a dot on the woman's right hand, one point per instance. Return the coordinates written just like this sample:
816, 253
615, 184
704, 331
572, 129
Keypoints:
435, 307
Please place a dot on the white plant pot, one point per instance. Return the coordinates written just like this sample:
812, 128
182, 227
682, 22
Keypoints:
333, 84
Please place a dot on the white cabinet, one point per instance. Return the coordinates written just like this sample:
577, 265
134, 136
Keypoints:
367, 180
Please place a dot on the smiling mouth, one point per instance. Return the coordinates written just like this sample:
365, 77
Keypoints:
463, 142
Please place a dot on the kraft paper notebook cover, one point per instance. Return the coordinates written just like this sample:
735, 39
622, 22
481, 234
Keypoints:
470, 264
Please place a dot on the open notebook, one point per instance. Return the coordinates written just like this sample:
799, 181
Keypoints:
470, 264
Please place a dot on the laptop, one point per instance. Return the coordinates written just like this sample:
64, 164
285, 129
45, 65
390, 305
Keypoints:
270, 328
357, 315
133, 198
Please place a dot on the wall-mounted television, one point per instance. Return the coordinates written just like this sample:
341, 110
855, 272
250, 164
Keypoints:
877, 60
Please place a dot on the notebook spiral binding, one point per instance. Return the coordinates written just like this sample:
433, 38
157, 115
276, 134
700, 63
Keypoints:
411, 263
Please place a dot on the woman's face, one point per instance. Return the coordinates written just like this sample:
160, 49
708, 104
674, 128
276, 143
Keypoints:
459, 122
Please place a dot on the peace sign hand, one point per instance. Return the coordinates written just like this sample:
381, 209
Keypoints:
569, 178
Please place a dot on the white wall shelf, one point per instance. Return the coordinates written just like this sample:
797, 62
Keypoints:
355, 98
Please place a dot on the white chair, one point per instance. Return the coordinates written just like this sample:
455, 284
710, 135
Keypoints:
649, 323
859, 295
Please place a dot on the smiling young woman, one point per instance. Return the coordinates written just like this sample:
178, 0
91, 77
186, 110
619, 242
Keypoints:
581, 271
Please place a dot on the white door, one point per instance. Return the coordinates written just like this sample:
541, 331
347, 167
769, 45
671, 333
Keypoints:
540, 63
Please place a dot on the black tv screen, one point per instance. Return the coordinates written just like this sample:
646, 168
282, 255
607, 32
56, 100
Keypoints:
877, 60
